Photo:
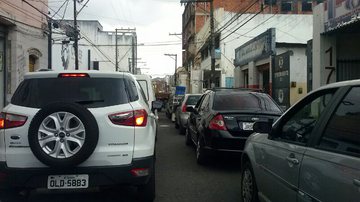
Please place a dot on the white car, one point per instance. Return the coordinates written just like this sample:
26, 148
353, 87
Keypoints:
77, 130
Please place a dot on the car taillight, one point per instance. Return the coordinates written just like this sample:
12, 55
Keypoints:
131, 118
217, 123
11, 120
183, 109
67, 75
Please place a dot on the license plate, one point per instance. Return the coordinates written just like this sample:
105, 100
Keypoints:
247, 126
68, 181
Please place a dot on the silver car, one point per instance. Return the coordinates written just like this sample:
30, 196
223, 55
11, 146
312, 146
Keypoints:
181, 114
311, 153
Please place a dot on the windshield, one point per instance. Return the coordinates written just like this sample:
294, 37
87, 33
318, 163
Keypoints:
257, 102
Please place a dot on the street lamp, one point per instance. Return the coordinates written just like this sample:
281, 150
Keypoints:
174, 57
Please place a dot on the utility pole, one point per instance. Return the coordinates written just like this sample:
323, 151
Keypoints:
49, 43
212, 33
174, 57
116, 51
76, 45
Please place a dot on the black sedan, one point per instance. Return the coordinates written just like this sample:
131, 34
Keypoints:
223, 119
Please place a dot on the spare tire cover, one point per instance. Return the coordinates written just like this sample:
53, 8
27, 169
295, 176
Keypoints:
63, 134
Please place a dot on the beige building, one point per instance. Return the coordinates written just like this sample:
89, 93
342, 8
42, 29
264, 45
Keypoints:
23, 43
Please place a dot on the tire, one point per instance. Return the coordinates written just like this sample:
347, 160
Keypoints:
147, 191
83, 140
182, 130
11, 195
176, 125
201, 157
248, 184
188, 140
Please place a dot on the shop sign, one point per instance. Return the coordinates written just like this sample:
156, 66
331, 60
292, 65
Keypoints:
281, 80
258, 48
339, 13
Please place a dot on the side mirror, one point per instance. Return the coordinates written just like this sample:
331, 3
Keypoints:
190, 109
156, 105
262, 127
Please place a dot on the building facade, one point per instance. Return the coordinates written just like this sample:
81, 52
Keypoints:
336, 42
293, 19
97, 48
23, 43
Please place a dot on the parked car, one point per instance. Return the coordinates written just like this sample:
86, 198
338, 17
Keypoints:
146, 85
77, 130
171, 106
181, 114
222, 120
311, 153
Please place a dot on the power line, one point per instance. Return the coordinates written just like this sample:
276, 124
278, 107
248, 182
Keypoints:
23, 11
243, 24
59, 8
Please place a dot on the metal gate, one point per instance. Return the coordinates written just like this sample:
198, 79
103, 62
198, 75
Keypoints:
348, 70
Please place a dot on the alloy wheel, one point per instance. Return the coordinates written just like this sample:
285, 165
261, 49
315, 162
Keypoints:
61, 135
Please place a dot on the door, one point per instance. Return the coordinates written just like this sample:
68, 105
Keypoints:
280, 158
334, 162
193, 117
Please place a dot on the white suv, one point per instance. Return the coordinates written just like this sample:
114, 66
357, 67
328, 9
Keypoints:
77, 130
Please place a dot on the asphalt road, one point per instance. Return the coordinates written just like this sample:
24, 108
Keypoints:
178, 176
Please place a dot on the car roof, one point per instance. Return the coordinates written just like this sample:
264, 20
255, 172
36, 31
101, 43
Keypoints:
91, 73
142, 77
340, 84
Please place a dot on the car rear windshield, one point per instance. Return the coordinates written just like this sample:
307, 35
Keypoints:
192, 99
89, 92
247, 101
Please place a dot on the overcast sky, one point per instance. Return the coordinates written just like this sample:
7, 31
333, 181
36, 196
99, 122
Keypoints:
153, 20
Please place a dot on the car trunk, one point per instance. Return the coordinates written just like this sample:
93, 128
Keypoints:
240, 124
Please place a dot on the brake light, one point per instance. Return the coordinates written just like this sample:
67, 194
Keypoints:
11, 120
140, 172
131, 118
217, 123
183, 109
67, 75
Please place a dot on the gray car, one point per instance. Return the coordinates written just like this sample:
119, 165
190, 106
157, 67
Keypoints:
311, 153
181, 114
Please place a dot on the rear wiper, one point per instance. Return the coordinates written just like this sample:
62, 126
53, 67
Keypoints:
88, 101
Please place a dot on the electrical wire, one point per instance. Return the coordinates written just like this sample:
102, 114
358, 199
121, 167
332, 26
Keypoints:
242, 25
23, 11
66, 1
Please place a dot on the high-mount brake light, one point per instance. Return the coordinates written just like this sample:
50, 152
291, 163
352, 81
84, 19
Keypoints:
73, 75
11, 120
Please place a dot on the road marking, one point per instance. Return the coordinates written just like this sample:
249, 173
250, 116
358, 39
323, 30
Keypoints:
165, 126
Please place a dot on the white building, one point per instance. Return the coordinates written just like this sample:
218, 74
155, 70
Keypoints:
336, 42
290, 29
23, 44
96, 48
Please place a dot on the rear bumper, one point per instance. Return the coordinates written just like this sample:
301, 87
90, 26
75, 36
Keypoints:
224, 141
98, 176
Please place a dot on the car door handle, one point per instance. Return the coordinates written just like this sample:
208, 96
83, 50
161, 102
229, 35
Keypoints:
356, 182
292, 160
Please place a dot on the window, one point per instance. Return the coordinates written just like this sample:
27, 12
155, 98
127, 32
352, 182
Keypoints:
306, 5
342, 132
245, 101
192, 99
286, 5
132, 90
205, 103
90, 92
144, 86
299, 127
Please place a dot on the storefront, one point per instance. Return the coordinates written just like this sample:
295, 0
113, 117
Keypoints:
336, 49
277, 68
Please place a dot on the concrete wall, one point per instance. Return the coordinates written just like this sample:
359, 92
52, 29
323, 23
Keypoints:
24, 37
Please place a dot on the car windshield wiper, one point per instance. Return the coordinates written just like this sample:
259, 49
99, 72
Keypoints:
88, 101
